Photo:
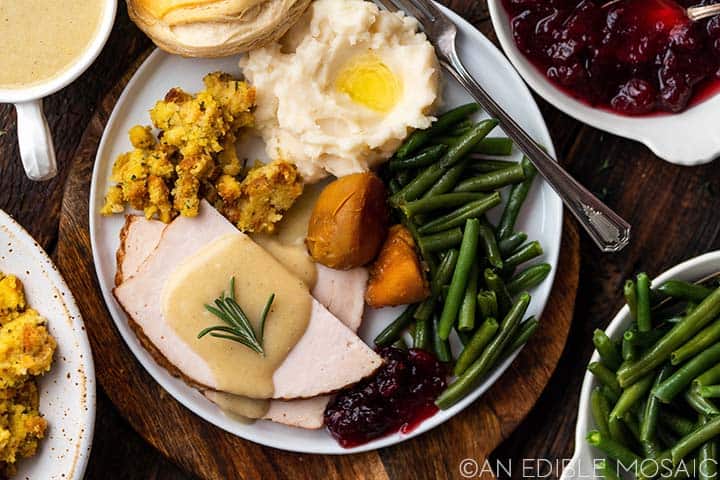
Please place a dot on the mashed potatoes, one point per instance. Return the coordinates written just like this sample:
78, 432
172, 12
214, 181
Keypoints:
343, 87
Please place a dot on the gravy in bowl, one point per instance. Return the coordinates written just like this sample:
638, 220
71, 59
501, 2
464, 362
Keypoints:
43, 38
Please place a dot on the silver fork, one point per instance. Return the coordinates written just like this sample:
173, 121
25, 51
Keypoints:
609, 231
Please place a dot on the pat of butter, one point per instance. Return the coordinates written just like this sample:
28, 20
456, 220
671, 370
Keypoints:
369, 82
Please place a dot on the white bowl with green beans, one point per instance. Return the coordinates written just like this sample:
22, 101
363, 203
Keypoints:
648, 404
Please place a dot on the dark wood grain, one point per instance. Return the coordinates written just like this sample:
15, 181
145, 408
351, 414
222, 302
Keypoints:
675, 213
216, 454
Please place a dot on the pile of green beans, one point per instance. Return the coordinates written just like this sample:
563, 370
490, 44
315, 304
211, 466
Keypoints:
654, 404
443, 181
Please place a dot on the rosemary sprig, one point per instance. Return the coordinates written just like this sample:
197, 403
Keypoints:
238, 327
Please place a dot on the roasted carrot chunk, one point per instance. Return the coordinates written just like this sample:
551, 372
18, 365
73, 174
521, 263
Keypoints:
396, 277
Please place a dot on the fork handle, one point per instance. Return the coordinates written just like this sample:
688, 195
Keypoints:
609, 231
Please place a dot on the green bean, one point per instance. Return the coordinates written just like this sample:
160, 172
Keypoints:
477, 343
652, 408
400, 344
494, 146
447, 182
445, 122
394, 186
606, 471
510, 243
710, 391
524, 254
492, 180
487, 303
644, 320
684, 290
630, 291
613, 449
458, 284
458, 217
404, 177
441, 241
446, 140
422, 159
518, 194
440, 346
462, 128
690, 442
651, 448
629, 352
607, 350
466, 315
427, 257
708, 457
433, 172
612, 395
496, 284
605, 376
661, 351
393, 331
527, 329
706, 337
644, 339
445, 270
699, 404
421, 339
684, 376
487, 165
678, 424
466, 382
709, 377
442, 277
528, 278
439, 202
426, 308
464, 337
490, 246
631, 396
600, 408
632, 424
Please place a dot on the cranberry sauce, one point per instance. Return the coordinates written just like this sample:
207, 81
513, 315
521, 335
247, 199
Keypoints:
632, 56
398, 397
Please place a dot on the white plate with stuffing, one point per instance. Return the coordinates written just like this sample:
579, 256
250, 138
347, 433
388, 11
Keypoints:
541, 219
67, 391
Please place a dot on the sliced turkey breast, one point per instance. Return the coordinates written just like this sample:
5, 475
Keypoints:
138, 239
328, 357
340, 291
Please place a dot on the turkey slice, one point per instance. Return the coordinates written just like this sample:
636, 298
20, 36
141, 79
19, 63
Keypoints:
328, 357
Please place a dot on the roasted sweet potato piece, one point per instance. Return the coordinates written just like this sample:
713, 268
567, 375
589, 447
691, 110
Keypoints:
349, 222
396, 277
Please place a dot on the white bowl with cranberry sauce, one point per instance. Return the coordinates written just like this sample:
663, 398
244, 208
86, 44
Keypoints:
688, 137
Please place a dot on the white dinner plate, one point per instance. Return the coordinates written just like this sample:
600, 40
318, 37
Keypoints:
541, 219
583, 464
67, 391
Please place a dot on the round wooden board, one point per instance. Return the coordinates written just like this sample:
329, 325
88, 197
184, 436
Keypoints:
211, 453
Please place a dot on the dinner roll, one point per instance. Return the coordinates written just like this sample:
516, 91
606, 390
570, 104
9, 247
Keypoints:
214, 28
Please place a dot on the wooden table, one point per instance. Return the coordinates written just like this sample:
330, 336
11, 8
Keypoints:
675, 213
